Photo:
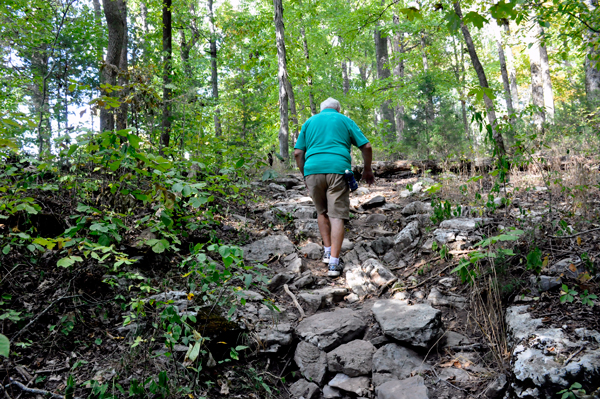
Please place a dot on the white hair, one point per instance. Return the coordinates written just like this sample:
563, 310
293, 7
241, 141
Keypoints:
331, 103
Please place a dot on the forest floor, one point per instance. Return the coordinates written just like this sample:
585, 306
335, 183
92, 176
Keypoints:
75, 325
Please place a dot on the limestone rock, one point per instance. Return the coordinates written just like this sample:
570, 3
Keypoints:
296, 266
311, 361
410, 388
305, 212
331, 392
381, 245
328, 330
442, 236
287, 182
374, 202
394, 362
308, 227
545, 283
263, 249
417, 325
311, 250
416, 207
564, 267
274, 337
363, 251
405, 238
463, 224
347, 245
356, 385
365, 279
496, 387
375, 219
304, 389
279, 280
276, 187
438, 298
353, 359
452, 338
321, 298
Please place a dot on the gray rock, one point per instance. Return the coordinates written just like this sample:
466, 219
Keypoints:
312, 250
447, 282
365, 279
390, 257
305, 280
410, 388
405, 238
570, 267
375, 219
417, 325
277, 187
454, 374
362, 191
363, 251
378, 273
405, 193
328, 330
251, 295
381, 245
423, 219
311, 361
347, 245
263, 249
545, 283
442, 236
394, 362
305, 212
309, 228
287, 182
496, 387
438, 298
416, 207
464, 224
374, 202
279, 280
323, 297
452, 338
331, 392
275, 336
304, 389
519, 323
356, 385
296, 266
417, 187
353, 359
380, 232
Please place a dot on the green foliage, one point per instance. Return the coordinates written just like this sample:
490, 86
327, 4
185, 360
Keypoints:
4, 345
567, 294
587, 298
534, 260
572, 392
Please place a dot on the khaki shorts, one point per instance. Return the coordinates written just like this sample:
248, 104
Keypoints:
331, 194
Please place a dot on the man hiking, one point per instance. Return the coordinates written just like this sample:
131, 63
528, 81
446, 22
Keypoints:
322, 154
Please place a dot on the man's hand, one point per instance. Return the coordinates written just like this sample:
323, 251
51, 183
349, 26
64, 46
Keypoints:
368, 176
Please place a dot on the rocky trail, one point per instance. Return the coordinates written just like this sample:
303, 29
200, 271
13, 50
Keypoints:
397, 324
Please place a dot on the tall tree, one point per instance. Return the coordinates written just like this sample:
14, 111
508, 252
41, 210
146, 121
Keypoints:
399, 48
284, 128
309, 81
383, 73
546, 79
592, 59
537, 80
510, 64
489, 104
123, 77
504, 71
429, 114
167, 47
459, 73
113, 12
213, 67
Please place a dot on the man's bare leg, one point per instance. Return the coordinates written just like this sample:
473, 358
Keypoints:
325, 229
337, 236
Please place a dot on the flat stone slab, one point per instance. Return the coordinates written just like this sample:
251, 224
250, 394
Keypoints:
304, 389
353, 359
312, 251
417, 325
311, 361
464, 224
405, 238
395, 362
410, 388
416, 207
263, 249
374, 202
328, 330
356, 385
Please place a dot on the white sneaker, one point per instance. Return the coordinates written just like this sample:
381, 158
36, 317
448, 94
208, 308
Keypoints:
336, 270
326, 257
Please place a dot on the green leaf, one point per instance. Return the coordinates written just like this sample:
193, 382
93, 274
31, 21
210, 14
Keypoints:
115, 165
68, 261
6, 249
193, 352
134, 141
474, 18
4, 346
160, 246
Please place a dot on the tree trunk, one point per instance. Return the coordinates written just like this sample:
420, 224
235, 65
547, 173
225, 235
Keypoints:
97, 12
123, 78
346, 81
284, 130
383, 72
429, 114
537, 80
167, 41
592, 60
116, 36
398, 47
512, 71
213, 68
546, 80
504, 72
489, 104
459, 73
311, 98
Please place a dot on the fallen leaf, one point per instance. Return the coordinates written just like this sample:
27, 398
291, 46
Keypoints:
572, 268
578, 240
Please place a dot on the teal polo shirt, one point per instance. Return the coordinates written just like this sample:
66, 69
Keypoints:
326, 139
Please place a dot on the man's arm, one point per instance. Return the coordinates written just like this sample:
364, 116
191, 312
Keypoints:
367, 154
299, 156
